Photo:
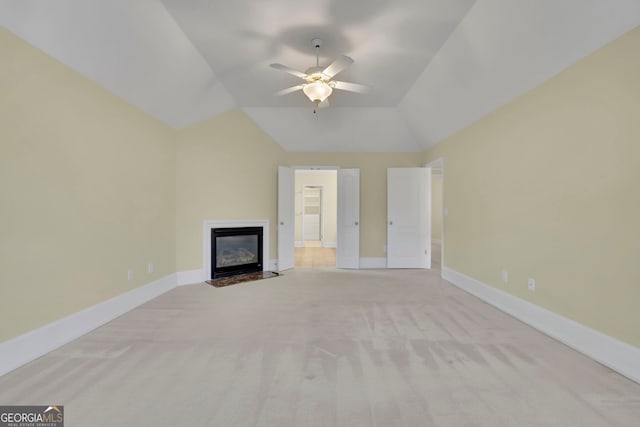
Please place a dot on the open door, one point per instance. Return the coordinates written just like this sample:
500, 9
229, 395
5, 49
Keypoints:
409, 218
286, 225
348, 220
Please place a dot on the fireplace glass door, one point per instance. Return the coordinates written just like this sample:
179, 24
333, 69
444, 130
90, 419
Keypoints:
236, 251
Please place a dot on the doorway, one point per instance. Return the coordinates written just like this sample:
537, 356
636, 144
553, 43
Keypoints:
315, 218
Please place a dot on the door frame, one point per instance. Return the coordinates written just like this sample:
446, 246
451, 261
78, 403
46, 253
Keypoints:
338, 171
322, 216
438, 165
286, 218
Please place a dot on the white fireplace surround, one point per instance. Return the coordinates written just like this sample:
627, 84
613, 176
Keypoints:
211, 224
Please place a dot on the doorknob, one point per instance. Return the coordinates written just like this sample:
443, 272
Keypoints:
356, 222
281, 222
390, 222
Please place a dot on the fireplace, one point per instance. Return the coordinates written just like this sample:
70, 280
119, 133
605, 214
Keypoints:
236, 250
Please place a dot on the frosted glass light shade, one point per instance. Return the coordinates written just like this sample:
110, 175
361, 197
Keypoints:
317, 91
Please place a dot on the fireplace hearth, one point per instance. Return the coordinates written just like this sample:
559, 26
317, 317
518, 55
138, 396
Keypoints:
236, 250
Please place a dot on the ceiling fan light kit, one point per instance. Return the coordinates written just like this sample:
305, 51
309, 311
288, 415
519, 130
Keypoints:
318, 91
319, 84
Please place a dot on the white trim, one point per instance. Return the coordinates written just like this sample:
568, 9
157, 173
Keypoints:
210, 224
617, 355
27, 347
315, 169
329, 245
439, 164
373, 262
299, 244
190, 276
436, 241
435, 163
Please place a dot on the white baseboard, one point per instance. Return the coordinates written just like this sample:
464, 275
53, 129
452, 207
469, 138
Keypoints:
299, 244
617, 355
191, 276
373, 263
27, 347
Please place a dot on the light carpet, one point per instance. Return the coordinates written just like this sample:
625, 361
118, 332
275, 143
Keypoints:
323, 348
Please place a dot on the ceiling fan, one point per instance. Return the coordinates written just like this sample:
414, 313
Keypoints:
318, 82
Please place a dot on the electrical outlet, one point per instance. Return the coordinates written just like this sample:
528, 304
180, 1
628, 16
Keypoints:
150, 268
531, 283
130, 274
505, 276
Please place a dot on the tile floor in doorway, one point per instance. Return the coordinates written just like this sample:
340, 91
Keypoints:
313, 255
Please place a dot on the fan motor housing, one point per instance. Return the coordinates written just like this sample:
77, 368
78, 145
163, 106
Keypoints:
314, 70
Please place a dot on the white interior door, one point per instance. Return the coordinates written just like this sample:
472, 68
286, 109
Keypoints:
286, 224
409, 218
348, 220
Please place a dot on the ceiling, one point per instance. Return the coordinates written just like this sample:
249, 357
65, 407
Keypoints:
434, 66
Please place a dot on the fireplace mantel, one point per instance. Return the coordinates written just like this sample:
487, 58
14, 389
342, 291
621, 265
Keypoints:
211, 224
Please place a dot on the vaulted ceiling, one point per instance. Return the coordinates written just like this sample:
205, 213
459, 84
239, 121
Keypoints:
434, 66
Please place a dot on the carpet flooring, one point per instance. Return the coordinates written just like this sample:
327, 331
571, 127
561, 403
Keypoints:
323, 348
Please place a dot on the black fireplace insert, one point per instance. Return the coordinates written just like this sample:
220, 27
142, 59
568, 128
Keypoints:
235, 251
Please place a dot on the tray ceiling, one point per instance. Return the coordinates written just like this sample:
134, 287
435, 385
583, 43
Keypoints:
434, 66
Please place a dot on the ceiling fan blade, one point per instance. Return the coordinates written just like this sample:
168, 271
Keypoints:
289, 70
324, 104
289, 90
351, 87
338, 65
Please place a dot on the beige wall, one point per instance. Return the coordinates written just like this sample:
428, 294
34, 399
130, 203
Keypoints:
87, 191
329, 184
231, 149
547, 187
227, 169
373, 188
